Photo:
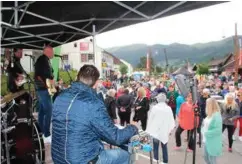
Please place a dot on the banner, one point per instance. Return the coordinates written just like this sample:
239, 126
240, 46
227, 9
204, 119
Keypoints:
55, 62
84, 46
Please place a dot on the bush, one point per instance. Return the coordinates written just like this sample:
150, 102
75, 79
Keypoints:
63, 75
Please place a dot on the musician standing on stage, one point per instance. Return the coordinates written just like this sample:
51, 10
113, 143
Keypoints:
43, 71
15, 72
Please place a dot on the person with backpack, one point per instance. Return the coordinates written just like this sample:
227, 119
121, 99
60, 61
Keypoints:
172, 96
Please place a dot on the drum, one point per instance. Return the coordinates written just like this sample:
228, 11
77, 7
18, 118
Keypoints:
23, 148
21, 143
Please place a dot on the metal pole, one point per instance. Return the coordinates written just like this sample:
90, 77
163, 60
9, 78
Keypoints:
236, 55
15, 13
94, 42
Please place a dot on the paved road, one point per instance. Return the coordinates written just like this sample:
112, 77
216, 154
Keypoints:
177, 157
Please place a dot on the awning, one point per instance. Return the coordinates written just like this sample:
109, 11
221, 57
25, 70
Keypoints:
30, 24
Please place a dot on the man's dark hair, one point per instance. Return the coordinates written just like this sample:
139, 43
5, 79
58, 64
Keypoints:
88, 74
126, 91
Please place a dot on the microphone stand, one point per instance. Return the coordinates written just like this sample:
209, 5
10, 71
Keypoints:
196, 114
29, 81
68, 73
193, 89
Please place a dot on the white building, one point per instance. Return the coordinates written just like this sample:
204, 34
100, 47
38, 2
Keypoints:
79, 53
130, 67
76, 54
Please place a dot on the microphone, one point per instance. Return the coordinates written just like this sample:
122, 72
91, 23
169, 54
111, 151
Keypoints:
29, 55
194, 91
59, 56
182, 84
12, 64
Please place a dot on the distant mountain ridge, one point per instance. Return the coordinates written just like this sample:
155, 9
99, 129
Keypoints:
176, 53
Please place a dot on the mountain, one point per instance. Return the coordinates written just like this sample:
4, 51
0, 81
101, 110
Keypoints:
176, 53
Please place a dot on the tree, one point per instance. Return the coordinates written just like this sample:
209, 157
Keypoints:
143, 62
123, 69
159, 69
202, 69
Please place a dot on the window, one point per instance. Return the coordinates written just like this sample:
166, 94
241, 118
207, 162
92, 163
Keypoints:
90, 57
84, 58
65, 57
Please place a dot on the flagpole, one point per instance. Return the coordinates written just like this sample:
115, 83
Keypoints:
236, 55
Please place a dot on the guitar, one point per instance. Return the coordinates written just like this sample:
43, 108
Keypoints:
20, 80
51, 86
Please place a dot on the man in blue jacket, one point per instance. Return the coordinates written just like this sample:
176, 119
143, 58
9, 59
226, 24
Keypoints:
80, 123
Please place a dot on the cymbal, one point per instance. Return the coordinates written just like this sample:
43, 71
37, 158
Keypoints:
9, 97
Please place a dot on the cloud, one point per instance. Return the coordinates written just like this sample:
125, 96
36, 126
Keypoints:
197, 26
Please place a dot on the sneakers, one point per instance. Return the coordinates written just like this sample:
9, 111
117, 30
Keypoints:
230, 150
177, 148
47, 139
240, 138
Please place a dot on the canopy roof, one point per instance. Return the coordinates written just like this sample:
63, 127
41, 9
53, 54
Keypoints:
30, 24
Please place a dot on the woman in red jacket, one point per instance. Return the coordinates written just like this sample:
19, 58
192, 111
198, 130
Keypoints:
186, 122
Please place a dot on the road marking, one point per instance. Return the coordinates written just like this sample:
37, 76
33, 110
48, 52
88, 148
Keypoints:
145, 156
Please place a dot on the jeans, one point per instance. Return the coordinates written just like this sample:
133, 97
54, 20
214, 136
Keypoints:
230, 129
45, 111
156, 150
191, 141
114, 156
209, 159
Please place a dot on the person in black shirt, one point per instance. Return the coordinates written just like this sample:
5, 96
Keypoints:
14, 72
124, 104
43, 71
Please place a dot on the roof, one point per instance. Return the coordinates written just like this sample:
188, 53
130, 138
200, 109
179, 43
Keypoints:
30, 24
221, 61
116, 60
184, 70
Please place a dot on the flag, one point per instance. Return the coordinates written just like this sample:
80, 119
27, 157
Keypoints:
240, 52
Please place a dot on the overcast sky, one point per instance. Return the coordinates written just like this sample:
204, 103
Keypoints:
197, 26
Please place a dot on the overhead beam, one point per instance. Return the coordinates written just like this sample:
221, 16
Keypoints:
168, 9
26, 4
76, 34
7, 8
29, 34
24, 43
6, 24
131, 9
22, 16
82, 20
54, 21
126, 13
57, 37
15, 13
23, 37
6, 30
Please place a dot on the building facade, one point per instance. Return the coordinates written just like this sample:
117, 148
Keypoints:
81, 52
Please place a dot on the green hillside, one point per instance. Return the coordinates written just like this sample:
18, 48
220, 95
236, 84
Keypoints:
176, 52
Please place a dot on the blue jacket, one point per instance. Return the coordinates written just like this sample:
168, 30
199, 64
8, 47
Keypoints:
79, 122
179, 101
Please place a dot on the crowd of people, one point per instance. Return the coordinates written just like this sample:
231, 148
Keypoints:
219, 105
86, 113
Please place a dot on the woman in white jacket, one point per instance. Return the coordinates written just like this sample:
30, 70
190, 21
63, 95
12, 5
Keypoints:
160, 124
